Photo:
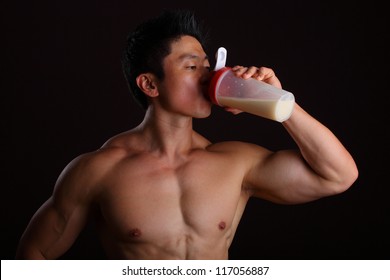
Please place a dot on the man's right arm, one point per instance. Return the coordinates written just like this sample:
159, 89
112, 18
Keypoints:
58, 222
49, 234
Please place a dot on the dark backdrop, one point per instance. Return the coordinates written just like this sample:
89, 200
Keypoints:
63, 94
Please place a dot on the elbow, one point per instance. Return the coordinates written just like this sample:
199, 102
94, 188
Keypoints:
347, 179
354, 174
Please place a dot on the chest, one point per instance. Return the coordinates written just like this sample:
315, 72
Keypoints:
145, 198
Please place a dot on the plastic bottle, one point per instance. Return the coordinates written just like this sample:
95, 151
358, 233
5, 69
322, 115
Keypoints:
248, 95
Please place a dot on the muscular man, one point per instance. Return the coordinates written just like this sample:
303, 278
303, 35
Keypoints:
161, 190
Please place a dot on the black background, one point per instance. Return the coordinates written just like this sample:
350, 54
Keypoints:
63, 93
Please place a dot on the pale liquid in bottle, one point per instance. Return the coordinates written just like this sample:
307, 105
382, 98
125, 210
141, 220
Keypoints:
278, 110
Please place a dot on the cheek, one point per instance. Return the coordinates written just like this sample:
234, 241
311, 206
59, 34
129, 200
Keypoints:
181, 90
173, 93
185, 91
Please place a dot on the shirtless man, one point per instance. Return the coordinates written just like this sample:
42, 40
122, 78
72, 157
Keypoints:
161, 190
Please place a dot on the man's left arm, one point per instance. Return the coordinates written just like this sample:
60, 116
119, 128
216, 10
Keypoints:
320, 167
322, 150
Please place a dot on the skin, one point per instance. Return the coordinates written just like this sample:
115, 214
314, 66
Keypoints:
162, 191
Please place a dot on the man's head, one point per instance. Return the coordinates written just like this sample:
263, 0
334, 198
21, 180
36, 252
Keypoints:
150, 43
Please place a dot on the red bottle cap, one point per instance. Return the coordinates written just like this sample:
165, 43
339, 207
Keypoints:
214, 83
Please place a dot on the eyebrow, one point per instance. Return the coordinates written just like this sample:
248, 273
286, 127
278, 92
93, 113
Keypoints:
191, 56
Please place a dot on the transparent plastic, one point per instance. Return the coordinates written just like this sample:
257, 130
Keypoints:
251, 96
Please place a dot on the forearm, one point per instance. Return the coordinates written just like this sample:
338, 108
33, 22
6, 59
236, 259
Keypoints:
49, 234
321, 149
39, 242
25, 252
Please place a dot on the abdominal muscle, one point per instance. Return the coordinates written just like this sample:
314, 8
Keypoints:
164, 234
179, 246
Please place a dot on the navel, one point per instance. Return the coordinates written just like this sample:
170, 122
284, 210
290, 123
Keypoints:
135, 233
222, 225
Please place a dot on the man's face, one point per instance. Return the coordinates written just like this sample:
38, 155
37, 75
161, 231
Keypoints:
186, 79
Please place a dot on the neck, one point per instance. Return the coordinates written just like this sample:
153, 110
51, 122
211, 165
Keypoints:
168, 135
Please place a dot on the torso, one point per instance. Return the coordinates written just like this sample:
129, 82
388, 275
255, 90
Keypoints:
153, 210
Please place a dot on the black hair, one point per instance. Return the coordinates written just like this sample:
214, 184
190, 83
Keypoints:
150, 43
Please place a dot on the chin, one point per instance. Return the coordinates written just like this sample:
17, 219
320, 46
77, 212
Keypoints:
203, 112
202, 115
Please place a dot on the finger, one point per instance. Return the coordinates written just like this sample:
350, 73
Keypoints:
233, 110
268, 75
250, 72
235, 68
265, 73
239, 70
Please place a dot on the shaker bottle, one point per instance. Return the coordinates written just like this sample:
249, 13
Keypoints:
248, 95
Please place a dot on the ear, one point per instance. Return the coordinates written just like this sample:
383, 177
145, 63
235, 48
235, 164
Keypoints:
146, 83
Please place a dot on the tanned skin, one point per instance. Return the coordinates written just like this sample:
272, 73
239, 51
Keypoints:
162, 191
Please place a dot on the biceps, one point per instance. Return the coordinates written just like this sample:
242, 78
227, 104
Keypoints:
284, 177
52, 231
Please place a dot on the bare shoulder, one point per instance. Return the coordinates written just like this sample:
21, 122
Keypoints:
96, 162
239, 148
233, 148
243, 154
87, 172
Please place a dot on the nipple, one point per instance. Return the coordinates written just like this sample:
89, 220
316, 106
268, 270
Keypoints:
222, 225
135, 232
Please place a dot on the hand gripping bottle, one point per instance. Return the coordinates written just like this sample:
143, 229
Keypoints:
248, 95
